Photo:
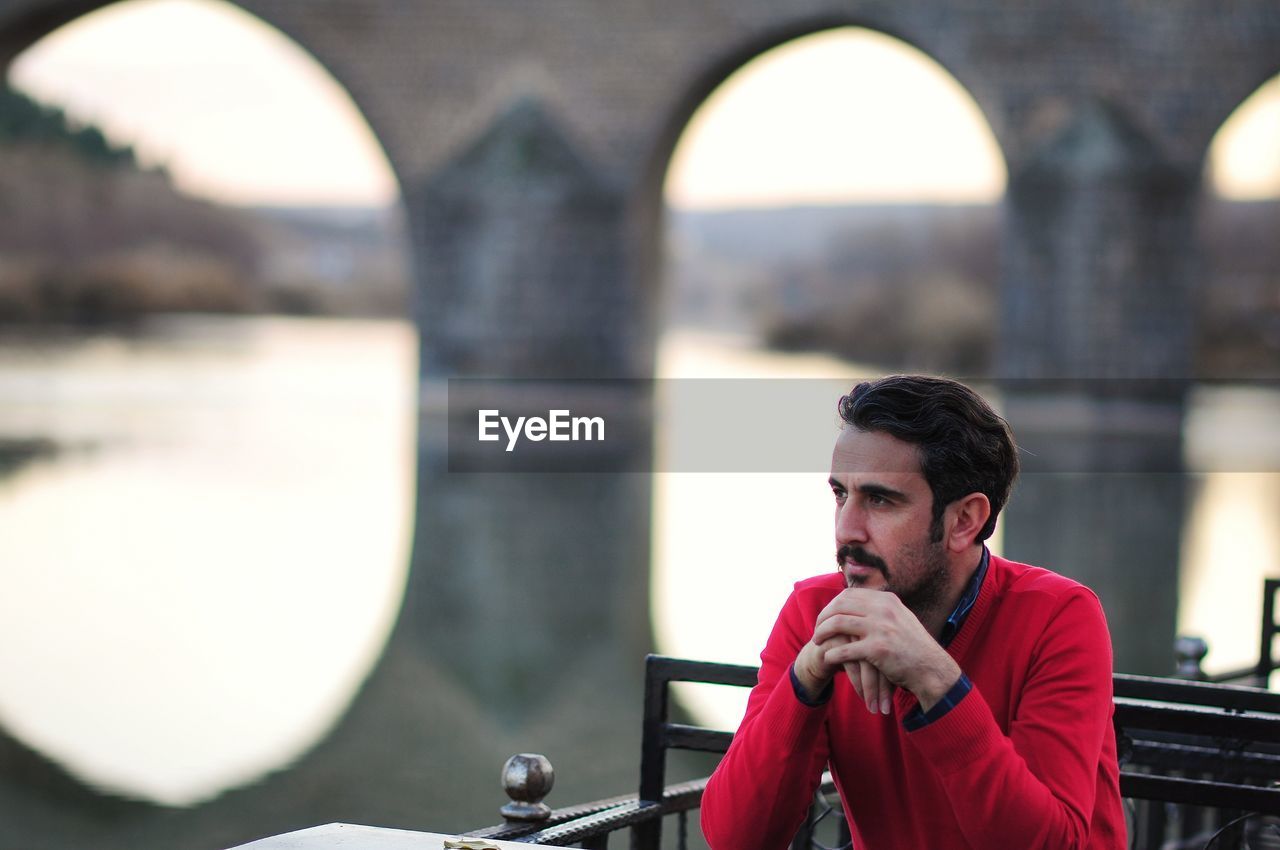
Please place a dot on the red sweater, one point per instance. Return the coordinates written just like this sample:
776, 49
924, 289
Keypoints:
1026, 760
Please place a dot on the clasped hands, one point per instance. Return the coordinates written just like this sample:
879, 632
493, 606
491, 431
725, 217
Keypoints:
879, 644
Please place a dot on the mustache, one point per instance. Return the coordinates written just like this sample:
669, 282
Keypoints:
860, 556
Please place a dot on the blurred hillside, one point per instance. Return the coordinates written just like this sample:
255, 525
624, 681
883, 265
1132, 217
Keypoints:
915, 287
333, 261
87, 238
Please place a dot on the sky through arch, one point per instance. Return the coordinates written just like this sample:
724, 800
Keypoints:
173, 77
1244, 157
844, 115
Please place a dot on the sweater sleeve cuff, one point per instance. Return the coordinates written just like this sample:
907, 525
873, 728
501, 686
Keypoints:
788, 719
917, 719
961, 736
822, 699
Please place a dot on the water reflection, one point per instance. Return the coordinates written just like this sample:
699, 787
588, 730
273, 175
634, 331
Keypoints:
203, 538
196, 600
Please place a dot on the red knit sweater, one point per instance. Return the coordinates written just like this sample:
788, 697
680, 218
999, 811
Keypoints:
1026, 760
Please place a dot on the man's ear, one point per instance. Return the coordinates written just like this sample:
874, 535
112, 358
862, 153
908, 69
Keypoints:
965, 518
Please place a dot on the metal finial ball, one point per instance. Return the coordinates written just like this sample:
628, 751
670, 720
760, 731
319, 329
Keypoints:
1190, 652
527, 778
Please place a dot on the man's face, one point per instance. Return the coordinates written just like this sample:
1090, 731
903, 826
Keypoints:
883, 519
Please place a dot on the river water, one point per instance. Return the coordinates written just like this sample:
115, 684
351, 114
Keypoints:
198, 583
204, 545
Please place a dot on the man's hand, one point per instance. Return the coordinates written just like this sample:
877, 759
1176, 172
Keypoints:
814, 673
879, 643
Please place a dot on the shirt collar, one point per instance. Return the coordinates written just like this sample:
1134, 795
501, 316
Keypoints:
965, 605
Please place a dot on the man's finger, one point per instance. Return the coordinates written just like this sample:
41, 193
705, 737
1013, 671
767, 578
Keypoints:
886, 694
854, 672
841, 625
871, 680
857, 602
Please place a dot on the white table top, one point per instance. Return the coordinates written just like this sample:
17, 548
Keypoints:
353, 837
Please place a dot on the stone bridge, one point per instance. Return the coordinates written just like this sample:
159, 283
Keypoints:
530, 139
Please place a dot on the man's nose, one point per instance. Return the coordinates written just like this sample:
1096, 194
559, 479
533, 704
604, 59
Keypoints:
851, 524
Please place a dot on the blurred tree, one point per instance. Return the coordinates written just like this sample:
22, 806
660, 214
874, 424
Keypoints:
87, 237
26, 121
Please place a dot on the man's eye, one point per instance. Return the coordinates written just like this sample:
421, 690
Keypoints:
839, 494
877, 499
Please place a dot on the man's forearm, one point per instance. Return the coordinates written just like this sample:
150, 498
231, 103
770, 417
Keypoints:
762, 787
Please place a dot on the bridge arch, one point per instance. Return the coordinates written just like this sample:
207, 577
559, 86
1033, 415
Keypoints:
21, 29
298, 734
787, 515
724, 61
720, 64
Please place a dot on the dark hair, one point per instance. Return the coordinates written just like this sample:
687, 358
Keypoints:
965, 447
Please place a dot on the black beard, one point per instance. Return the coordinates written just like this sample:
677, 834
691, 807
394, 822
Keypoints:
928, 592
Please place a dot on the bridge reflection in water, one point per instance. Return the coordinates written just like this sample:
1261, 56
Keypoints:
462, 712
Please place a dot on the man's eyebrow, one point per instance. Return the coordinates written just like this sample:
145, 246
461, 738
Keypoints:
881, 490
871, 489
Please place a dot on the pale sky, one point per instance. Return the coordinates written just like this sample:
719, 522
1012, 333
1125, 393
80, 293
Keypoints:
844, 115
240, 113
1244, 161
237, 110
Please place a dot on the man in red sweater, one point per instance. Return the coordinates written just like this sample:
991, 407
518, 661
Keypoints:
970, 705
